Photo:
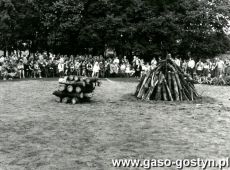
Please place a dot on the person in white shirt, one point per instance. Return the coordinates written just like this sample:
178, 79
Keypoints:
96, 69
178, 62
199, 68
191, 66
116, 61
220, 67
153, 63
2, 59
61, 67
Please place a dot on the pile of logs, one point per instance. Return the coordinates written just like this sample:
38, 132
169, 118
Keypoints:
75, 89
166, 82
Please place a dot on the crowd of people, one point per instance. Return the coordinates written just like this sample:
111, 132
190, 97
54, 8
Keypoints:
42, 65
205, 69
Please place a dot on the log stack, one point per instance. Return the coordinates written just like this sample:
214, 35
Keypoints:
166, 82
76, 89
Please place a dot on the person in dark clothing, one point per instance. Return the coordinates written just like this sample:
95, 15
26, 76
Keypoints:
138, 70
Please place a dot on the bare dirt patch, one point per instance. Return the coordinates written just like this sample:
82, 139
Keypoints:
36, 132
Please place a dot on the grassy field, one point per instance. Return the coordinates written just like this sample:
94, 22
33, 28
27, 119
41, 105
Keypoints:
36, 132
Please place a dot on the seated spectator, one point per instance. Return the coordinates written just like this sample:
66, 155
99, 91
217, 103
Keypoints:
122, 69
37, 70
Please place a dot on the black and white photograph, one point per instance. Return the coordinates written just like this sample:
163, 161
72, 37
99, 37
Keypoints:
114, 84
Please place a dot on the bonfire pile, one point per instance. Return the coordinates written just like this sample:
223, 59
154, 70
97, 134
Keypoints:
75, 89
166, 82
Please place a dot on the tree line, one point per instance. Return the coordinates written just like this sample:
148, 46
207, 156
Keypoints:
141, 27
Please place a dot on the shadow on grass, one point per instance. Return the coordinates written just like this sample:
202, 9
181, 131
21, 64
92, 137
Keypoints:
201, 100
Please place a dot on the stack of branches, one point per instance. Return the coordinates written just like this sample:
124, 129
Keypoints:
75, 89
166, 82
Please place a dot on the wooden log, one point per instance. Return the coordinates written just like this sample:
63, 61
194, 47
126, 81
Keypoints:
184, 96
80, 95
76, 78
91, 79
175, 88
74, 83
70, 88
81, 79
151, 89
70, 77
158, 92
62, 87
89, 88
165, 98
148, 83
170, 81
66, 100
159, 87
142, 89
88, 95
75, 100
58, 99
179, 85
78, 89
168, 91
139, 85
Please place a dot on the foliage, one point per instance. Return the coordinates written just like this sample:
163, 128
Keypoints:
144, 27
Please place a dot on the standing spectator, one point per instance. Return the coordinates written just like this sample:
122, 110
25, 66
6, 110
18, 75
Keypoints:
21, 69
148, 68
89, 68
96, 69
102, 69
191, 66
199, 68
153, 63
184, 66
107, 69
138, 70
61, 69
220, 67
2, 59
77, 66
206, 70
83, 68
178, 61
213, 68
134, 62
71, 65
128, 70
